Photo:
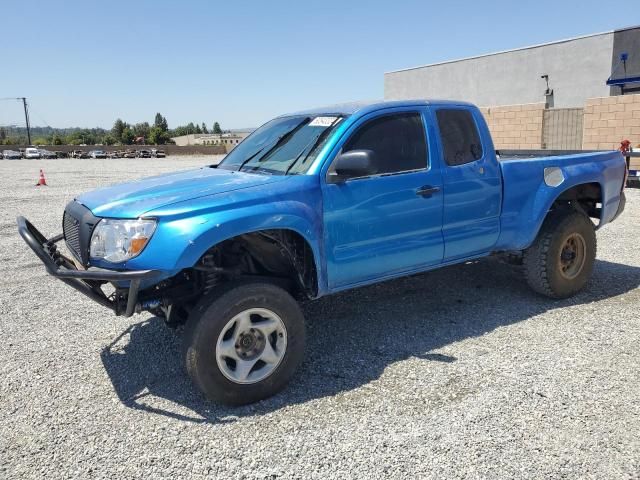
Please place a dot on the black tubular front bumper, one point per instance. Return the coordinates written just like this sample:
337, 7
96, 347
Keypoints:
87, 282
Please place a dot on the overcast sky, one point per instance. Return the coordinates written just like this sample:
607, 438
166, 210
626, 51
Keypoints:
85, 63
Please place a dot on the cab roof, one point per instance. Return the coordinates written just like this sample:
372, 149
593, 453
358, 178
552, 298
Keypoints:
362, 107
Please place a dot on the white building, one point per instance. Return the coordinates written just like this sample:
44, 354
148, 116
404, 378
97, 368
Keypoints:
228, 140
562, 74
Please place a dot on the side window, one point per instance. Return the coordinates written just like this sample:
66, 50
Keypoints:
398, 141
460, 137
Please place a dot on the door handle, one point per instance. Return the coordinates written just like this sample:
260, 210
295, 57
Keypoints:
427, 191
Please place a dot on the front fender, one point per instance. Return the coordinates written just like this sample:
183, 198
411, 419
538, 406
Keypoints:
185, 233
205, 233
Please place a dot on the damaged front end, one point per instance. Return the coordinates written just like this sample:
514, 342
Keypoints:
282, 257
124, 298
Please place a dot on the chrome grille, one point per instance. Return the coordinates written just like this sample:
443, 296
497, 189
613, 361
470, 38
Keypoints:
71, 230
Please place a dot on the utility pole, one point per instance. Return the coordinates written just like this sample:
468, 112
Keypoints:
26, 117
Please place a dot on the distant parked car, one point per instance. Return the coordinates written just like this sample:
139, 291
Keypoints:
98, 154
157, 153
61, 154
82, 154
129, 154
32, 153
114, 154
46, 153
143, 154
11, 155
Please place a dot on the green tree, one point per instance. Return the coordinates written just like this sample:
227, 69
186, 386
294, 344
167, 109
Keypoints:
179, 131
127, 136
216, 128
204, 128
157, 136
79, 137
141, 129
189, 129
161, 122
118, 128
109, 139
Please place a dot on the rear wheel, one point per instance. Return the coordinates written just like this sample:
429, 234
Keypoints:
244, 343
560, 261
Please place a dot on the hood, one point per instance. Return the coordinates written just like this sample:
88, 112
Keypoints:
134, 199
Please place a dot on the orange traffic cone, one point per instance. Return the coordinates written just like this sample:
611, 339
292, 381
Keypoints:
41, 181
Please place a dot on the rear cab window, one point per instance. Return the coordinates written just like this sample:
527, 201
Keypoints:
460, 137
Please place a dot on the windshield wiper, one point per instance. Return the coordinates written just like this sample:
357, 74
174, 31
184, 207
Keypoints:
244, 162
314, 144
282, 139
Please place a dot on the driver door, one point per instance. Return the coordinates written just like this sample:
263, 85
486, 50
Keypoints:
385, 224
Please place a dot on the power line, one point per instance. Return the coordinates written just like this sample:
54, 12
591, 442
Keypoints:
40, 117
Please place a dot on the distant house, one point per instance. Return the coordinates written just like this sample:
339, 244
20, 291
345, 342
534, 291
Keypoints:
228, 140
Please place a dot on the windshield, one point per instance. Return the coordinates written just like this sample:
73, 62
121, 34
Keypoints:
286, 145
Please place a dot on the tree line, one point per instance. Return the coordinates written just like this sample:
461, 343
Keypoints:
122, 133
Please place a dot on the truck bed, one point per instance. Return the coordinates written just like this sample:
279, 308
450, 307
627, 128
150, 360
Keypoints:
526, 198
506, 155
632, 159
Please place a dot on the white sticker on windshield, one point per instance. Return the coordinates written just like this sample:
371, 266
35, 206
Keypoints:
322, 121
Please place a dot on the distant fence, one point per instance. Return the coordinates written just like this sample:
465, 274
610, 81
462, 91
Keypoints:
168, 149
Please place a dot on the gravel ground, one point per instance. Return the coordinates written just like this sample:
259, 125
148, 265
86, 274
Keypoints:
458, 373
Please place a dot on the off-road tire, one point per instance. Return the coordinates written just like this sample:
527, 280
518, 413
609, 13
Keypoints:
541, 260
205, 324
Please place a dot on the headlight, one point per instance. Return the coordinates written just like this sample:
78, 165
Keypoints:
119, 240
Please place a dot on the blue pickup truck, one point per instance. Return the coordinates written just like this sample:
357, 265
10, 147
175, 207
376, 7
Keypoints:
317, 202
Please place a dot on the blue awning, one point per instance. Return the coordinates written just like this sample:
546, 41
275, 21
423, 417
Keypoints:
622, 82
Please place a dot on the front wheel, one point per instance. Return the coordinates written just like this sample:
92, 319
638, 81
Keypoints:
244, 343
560, 261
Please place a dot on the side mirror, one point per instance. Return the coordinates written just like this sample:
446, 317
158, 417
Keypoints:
353, 164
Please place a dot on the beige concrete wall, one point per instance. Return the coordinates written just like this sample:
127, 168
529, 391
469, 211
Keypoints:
609, 120
515, 126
